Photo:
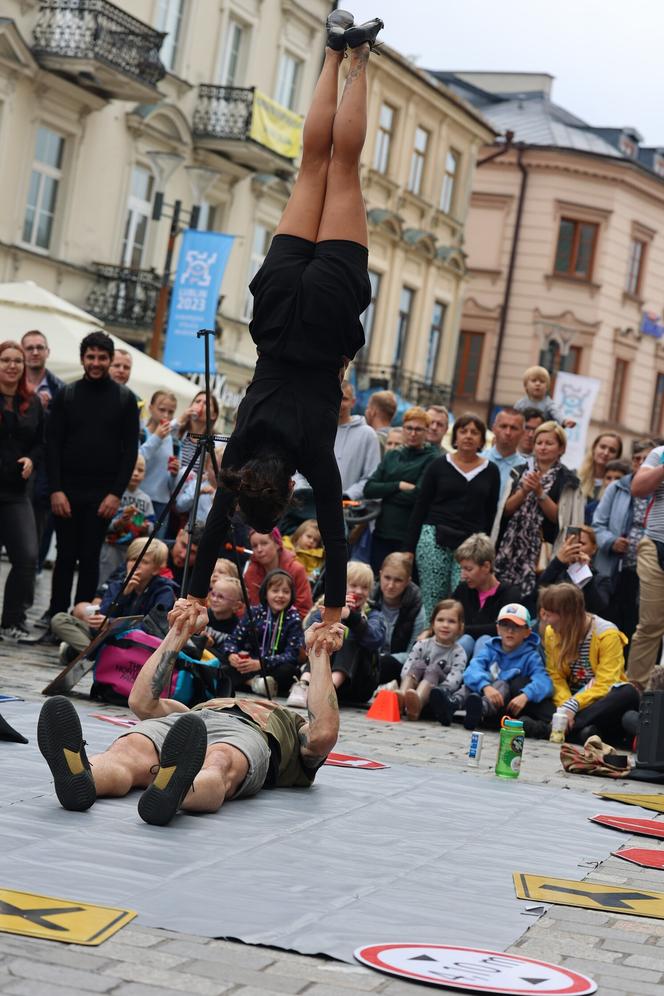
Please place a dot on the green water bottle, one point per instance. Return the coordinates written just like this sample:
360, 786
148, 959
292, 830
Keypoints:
510, 748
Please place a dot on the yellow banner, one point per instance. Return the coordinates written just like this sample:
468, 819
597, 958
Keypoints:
58, 919
276, 127
654, 802
590, 895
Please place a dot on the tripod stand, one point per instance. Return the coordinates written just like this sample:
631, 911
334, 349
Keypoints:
205, 446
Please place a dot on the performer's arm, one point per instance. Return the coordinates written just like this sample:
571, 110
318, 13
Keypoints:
155, 675
319, 735
215, 534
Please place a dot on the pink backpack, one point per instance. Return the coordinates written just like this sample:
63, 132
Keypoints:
119, 662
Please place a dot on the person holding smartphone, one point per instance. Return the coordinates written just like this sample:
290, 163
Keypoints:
574, 562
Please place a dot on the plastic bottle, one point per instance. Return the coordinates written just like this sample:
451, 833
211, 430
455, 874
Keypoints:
510, 748
558, 726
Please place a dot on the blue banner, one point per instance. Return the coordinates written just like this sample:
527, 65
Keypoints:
201, 266
651, 324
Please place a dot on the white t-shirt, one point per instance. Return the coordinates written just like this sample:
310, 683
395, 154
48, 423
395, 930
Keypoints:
655, 519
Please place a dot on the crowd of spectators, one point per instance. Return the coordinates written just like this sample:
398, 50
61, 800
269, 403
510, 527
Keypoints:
487, 578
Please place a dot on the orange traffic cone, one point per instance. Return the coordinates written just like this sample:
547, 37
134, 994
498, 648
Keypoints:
385, 707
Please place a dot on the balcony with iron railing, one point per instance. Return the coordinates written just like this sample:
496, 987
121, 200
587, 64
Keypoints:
411, 386
248, 127
100, 47
124, 296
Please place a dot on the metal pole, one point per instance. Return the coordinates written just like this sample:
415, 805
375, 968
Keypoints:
162, 299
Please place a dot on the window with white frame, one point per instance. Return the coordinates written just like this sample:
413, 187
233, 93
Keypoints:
139, 209
635, 264
259, 247
208, 217
233, 59
288, 81
368, 317
403, 322
418, 160
43, 187
169, 19
384, 138
447, 194
435, 336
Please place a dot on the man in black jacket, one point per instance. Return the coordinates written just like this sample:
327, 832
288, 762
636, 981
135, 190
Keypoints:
91, 448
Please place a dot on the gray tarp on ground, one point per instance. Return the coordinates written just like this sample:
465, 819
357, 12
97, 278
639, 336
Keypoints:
401, 854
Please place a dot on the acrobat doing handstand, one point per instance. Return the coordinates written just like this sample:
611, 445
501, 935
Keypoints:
308, 296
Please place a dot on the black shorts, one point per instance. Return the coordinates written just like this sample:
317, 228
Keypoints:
308, 298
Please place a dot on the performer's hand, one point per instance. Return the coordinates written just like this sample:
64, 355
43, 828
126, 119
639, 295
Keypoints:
324, 637
188, 615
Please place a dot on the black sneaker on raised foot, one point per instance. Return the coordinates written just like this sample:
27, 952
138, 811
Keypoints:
182, 756
473, 711
61, 742
361, 33
339, 19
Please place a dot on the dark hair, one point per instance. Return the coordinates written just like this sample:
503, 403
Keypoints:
97, 340
622, 465
508, 410
23, 390
639, 445
214, 413
278, 572
529, 413
263, 491
196, 533
469, 418
447, 603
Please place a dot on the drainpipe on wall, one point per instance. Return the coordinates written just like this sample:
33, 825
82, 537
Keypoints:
510, 275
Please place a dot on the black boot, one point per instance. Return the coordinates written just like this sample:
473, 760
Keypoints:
361, 33
336, 25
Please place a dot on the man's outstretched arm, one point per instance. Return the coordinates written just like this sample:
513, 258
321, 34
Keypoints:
155, 675
319, 735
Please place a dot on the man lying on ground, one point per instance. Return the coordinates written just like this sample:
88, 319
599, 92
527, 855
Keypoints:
192, 759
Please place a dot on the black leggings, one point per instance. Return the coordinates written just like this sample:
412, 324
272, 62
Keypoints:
606, 714
18, 535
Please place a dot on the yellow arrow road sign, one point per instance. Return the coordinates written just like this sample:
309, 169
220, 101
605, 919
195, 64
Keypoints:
59, 919
590, 895
654, 802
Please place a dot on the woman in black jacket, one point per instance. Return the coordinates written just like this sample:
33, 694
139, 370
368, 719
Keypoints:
21, 447
458, 496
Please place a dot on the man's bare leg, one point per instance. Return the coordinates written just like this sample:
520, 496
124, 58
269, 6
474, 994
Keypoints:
344, 213
224, 769
302, 214
128, 763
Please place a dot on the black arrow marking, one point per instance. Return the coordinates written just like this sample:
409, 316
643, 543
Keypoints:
422, 958
534, 982
37, 916
615, 899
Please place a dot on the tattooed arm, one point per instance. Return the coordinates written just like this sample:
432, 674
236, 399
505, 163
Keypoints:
155, 676
319, 735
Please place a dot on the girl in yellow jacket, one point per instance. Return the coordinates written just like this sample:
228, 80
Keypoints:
585, 661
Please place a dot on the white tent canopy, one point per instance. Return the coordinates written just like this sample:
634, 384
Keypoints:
25, 306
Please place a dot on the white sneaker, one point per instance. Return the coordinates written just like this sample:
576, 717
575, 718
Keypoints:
297, 697
14, 633
257, 685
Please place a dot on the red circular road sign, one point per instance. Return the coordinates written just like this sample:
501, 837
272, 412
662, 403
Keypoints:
475, 969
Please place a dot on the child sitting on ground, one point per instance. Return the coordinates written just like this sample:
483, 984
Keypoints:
508, 676
355, 665
306, 544
146, 589
537, 382
223, 569
280, 638
224, 604
134, 518
438, 660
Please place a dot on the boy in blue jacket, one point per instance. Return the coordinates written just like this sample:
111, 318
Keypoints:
508, 676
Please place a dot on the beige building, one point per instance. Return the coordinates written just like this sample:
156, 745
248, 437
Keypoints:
417, 174
103, 107
565, 242
107, 111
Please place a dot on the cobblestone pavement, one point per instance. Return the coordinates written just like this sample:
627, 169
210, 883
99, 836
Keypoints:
624, 955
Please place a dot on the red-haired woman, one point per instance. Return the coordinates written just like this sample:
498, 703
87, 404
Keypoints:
21, 447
